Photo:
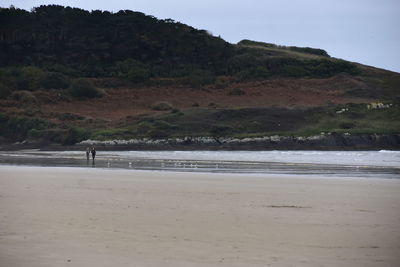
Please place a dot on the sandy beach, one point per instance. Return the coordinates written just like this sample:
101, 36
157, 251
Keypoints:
96, 217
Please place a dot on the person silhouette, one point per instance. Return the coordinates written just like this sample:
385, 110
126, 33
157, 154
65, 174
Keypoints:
87, 153
93, 151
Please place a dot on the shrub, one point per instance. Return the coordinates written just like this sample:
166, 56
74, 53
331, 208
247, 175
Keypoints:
255, 126
220, 83
55, 80
132, 70
346, 125
198, 78
237, 92
82, 88
67, 136
243, 62
69, 117
137, 75
111, 133
157, 134
25, 97
4, 91
18, 128
13, 78
220, 130
33, 78
309, 50
161, 106
74, 135
160, 129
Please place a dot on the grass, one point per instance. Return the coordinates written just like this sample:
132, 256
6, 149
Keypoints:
276, 51
113, 133
237, 123
256, 122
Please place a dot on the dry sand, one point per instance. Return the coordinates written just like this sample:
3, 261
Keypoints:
92, 217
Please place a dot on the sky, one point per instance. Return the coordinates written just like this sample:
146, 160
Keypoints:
364, 31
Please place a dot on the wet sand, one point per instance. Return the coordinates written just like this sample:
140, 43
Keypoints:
94, 217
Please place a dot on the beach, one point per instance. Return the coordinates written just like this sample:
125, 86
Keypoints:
59, 216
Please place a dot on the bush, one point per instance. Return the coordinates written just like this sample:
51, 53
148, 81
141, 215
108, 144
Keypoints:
32, 78
162, 106
132, 70
25, 97
307, 50
220, 83
69, 117
198, 78
74, 135
347, 125
18, 128
137, 75
82, 88
113, 133
157, 134
55, 80
242, 62
237, 92
4, 91
13, 78
220, 130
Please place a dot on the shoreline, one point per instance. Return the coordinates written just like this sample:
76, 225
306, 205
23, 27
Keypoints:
332, 164
60, 216
199, 174
328, 142
159, 171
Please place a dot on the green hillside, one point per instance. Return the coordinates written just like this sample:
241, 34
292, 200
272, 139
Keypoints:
55, 61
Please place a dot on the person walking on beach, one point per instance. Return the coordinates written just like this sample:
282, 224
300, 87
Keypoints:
87, 153
93, 151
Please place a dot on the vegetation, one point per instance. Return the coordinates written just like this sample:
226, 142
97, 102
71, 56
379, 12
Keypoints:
136, 47
95, 43
307, 50
25, 98
237, 92
5, 91
55, 80
18, 128
163, 105
55, 53
82, 88
253, 122
245, 122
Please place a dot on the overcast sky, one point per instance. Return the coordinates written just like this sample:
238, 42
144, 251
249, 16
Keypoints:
364, 31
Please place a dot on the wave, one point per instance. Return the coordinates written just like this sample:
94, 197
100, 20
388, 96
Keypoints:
389, 151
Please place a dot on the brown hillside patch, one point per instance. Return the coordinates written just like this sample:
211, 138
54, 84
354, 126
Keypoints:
119, 104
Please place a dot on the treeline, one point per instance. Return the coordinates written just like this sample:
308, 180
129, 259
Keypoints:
91, 43
51, 45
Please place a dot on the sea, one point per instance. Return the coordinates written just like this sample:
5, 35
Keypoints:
365, 164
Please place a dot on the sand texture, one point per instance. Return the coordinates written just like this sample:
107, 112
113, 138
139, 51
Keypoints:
93, 217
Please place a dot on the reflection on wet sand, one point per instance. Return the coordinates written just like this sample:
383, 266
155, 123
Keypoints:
122, 161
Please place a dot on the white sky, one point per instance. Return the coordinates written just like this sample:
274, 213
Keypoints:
364, 31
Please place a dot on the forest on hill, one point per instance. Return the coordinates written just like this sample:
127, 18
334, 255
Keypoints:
135, 46
56, 58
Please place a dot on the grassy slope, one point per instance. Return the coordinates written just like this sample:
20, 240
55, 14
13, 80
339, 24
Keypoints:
250, 118
252, 122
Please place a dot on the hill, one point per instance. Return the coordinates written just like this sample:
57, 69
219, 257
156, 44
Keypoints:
67, 75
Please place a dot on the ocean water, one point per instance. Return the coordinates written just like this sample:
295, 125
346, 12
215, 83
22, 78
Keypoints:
376, 164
